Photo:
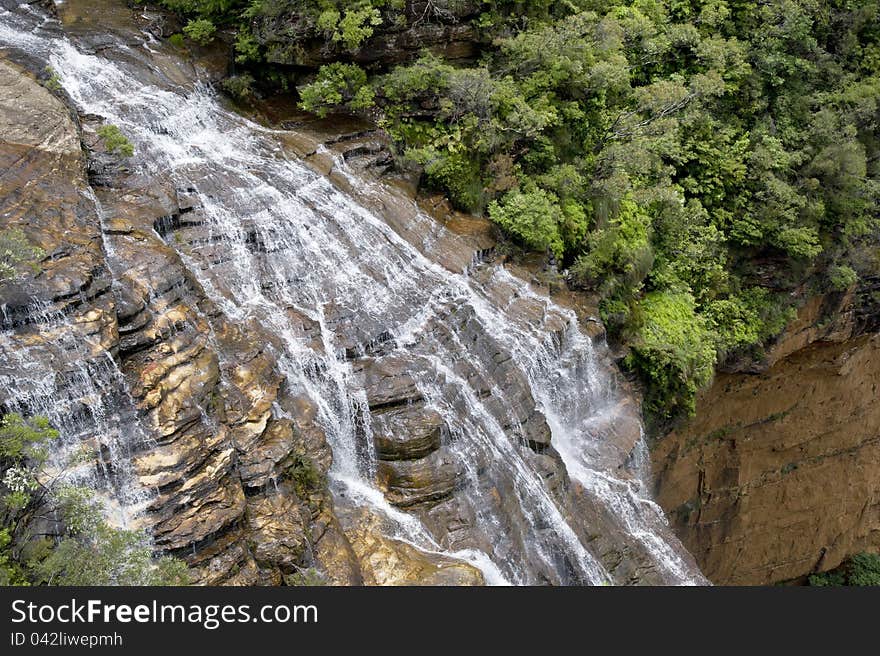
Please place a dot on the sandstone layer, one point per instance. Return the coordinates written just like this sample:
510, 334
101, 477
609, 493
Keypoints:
229, 497
778, 475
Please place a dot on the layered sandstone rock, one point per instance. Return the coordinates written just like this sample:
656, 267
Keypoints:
220, 461
778, 476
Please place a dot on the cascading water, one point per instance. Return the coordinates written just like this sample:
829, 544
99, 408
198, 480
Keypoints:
82, 393
275, 241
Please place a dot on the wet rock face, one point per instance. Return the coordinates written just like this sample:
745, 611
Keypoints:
40, 194
220, 460
203, 388
406, 433
777, 476
386, 561
43, 175
224, 462
419, 467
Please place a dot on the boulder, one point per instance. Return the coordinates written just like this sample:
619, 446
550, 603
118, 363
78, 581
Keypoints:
407, 433
410, 482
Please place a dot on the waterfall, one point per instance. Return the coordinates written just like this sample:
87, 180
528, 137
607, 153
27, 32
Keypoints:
277, 240
82, 393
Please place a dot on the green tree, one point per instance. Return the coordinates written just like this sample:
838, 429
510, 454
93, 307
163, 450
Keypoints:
674, 349
862, 569
91, 552
533, 217
337, 85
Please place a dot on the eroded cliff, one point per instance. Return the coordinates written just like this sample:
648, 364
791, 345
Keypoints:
778, 475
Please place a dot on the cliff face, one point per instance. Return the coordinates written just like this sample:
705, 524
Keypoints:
157, 323
778, 475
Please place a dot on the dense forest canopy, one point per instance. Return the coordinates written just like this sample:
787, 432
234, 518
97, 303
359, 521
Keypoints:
702, 165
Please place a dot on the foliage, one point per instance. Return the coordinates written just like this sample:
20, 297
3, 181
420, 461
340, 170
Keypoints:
356, 25
95, 553
16, 250
533, 217
842, 277
305, 475
240, 87
862, 569
53, 80
618, 260
337, 85
674, 348
452, 170
246, 47
200, 30
25, 438
11, 572
115, 141
177, 40
309, 577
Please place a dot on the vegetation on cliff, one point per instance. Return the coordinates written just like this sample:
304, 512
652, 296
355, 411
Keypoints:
863, 569
16, 252
115, 141
701, 164
54, 532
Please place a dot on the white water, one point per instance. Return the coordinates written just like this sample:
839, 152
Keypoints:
70, 380
280, 237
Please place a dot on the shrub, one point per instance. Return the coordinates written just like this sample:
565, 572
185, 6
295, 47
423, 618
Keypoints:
89, 551
11, 572
201, 31
427, 76
107, 556
115, 141
309, 577
862, 569
454, 171
674, 349
620, 251
747, 318
240, 87
356, 26
842, 277
306, 477
247, 48
533, 217
337, 85
828, 579
328, 20
53, 80
16, 250
25, 440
